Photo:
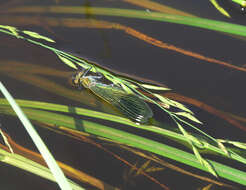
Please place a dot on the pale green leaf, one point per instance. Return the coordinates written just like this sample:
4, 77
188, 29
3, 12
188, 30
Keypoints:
109, 77
154, 87
239, 144
209, 167
220, 9
223, 148
130, 84
67, 61
189, 116
5, 139
93, 69
7, 27
182, 130
126, 88
164, 100
161, 98
235, 143
38, 36
180, 106
196, 141
191, 139
197, 154
12, 29
203, 162
172, 103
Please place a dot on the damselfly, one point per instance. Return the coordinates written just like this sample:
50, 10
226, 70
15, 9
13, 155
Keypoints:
130, 104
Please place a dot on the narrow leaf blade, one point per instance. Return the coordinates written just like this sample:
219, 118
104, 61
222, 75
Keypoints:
38, 36
189, 116
66, 61
172, 103
154, 87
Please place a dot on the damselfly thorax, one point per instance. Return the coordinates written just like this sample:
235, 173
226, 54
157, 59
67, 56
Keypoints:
130, 104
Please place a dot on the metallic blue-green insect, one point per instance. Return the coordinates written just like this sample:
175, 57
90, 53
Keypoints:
127, 103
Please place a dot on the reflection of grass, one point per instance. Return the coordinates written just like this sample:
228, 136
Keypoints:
171, 166
24, 161
36, 111
230, 118
162, 17
30, 166
35, 75
179, 117
132, 86
155, 6
82, 137
92, 23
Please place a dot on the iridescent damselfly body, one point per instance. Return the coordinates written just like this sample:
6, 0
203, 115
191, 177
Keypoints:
129, 104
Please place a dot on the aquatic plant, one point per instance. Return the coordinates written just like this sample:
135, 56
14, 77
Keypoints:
151, 93
54, 168
131, 87
241, 4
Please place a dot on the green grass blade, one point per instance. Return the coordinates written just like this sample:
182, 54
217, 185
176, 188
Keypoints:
31, 166
190, 21
219, 8
189, 116
38, 36
135, 141
55, 169
202, 161
132, 140
154, 87
113, 118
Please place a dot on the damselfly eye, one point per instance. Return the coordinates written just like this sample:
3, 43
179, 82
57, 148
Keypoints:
74, 80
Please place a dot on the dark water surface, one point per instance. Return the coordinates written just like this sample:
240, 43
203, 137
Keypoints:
220, 87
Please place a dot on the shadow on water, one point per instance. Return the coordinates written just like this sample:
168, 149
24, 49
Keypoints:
78, 122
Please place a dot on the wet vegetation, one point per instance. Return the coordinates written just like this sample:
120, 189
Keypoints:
129, 122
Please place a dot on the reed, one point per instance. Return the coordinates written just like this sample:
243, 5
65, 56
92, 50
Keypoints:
183, 117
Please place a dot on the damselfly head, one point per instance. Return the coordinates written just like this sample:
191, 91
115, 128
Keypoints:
76, 78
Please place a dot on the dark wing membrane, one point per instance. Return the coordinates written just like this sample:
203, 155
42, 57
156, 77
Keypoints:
129, 104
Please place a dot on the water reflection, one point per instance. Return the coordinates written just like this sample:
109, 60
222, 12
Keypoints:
204, 68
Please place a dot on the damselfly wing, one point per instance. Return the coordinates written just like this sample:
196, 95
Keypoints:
129, 104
